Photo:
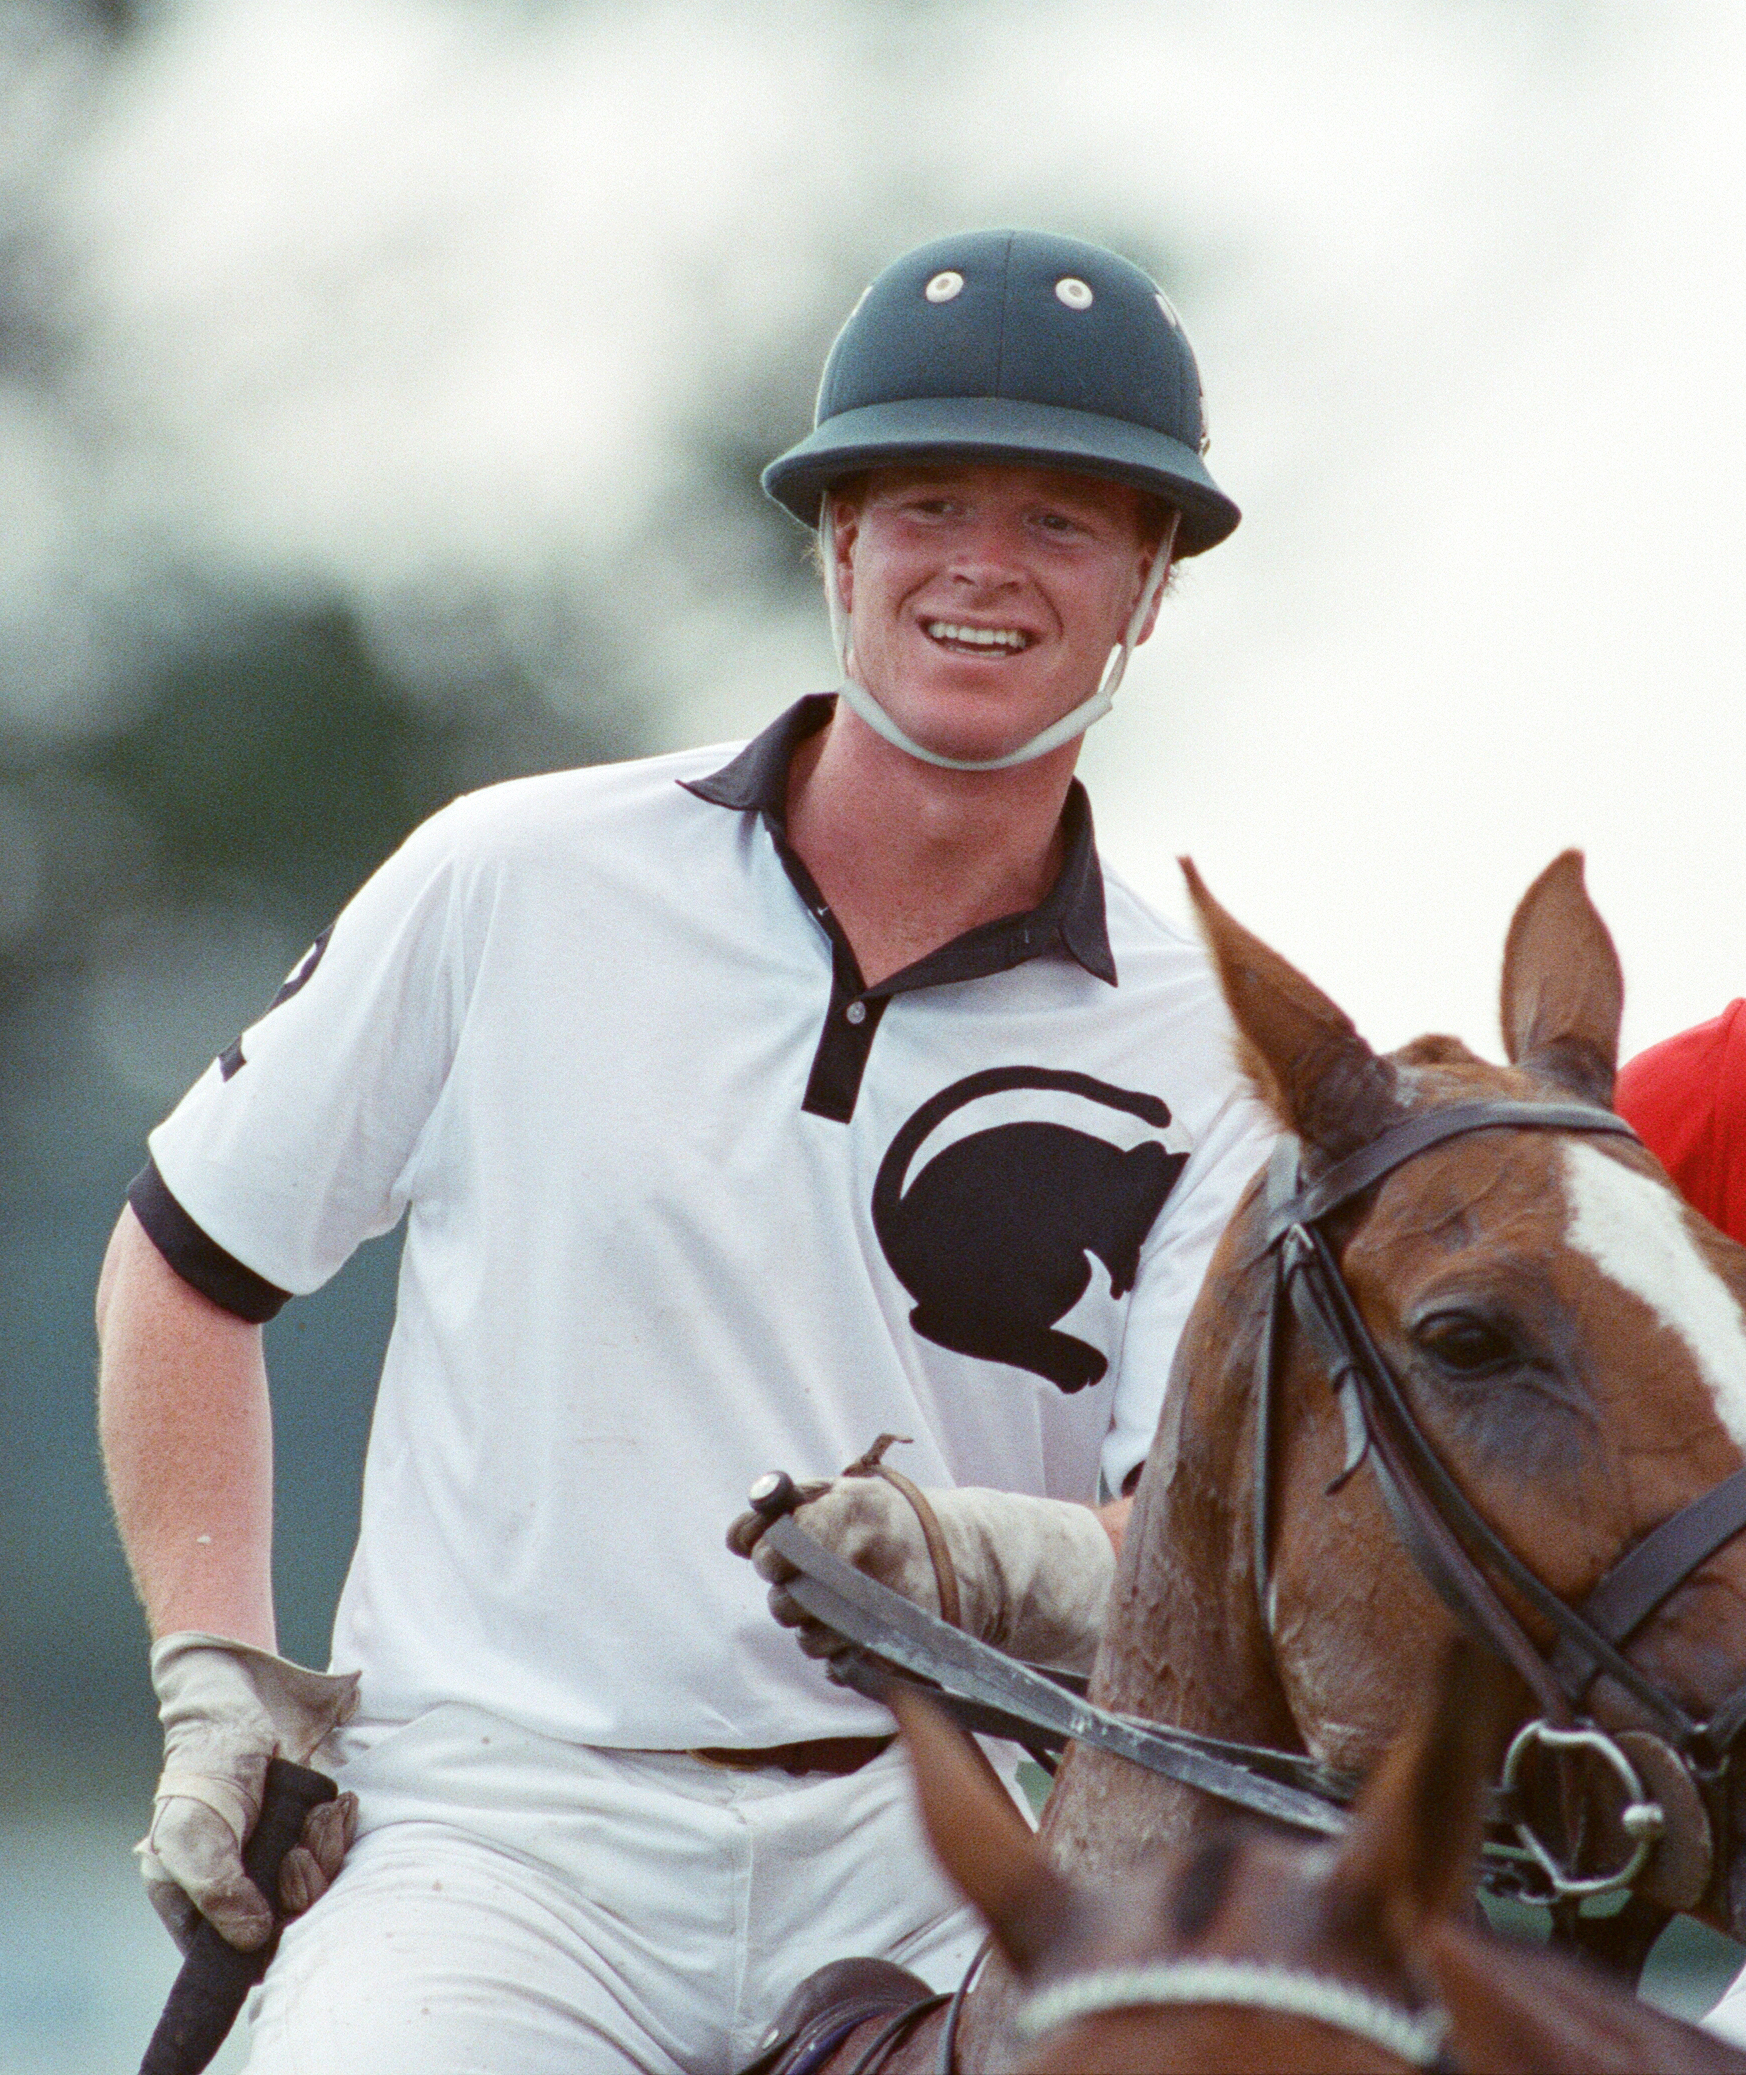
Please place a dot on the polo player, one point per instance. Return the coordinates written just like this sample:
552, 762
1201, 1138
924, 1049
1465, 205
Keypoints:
740, 1105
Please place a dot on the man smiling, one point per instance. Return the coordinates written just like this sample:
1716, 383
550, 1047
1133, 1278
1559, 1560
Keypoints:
741, 1107
983, 600
1024, 578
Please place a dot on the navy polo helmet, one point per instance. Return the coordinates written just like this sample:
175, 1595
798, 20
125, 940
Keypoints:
1019, 347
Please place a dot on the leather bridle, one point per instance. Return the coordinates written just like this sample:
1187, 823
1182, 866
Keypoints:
1459, 1553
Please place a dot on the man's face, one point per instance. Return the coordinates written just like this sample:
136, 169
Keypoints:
984, 599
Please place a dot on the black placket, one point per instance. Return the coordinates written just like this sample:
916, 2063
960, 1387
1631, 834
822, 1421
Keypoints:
843, 1050
1068, 921
853, 1018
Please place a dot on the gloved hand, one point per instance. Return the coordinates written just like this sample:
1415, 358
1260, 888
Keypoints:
227, 1708
1034, 1575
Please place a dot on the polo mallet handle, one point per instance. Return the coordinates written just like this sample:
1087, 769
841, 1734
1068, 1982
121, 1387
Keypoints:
774, 1494
215, 1977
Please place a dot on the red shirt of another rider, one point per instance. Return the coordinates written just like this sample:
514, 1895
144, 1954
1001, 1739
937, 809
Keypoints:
1686, 1099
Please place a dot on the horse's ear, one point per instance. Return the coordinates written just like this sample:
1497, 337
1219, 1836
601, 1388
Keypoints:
981, 1840
1408, 1858
1307, 1061
1563, 992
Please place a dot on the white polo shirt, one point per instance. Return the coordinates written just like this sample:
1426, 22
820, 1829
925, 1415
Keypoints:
685, 1202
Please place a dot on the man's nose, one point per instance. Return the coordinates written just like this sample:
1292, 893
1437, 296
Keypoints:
986, 562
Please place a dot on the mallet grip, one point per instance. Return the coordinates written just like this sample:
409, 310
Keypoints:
216, 1977
774, 1494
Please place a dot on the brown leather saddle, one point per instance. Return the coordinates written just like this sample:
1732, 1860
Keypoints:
828, 2006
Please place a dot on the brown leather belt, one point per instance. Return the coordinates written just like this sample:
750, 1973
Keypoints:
840, 1755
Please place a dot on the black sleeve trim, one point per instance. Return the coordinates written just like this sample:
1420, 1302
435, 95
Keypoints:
201, 1262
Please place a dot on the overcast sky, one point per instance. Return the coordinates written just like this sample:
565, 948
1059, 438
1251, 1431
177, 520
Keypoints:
383, 297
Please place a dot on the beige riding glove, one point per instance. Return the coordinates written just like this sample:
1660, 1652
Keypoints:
1033, 1575
227, 1708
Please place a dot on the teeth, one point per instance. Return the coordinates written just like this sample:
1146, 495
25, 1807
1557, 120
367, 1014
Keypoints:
978, 637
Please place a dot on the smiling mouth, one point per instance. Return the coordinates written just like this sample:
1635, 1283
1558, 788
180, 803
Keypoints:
976, 641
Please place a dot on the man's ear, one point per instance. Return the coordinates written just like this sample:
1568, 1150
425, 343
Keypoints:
1167, 548
845, 525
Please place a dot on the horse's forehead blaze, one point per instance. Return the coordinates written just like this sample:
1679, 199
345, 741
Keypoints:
1631, 1227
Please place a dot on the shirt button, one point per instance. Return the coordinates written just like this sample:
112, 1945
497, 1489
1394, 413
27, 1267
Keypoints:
856, 1012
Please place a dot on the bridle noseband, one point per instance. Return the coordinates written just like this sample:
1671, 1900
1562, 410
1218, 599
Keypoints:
1415, 2037
1457, 1551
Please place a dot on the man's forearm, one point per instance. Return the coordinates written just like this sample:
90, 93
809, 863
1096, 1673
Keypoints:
187, 1446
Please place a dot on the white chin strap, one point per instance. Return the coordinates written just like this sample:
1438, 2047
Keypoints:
862, 702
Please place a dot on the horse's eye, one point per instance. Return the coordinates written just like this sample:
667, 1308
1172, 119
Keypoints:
1465, 1343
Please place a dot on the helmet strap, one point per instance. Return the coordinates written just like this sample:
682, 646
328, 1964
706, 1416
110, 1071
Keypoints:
1075, 722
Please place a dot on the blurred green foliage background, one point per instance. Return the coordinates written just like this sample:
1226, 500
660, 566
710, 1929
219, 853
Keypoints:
261, 774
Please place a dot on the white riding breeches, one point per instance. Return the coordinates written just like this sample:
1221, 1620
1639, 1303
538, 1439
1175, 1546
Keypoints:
517, 1906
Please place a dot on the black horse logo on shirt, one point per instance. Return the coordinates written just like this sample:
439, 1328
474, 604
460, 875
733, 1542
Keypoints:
991, 1236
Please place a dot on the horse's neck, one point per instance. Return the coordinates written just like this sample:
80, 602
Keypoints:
1183, 1642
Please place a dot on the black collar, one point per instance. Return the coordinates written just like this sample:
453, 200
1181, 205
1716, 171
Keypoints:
1069, 917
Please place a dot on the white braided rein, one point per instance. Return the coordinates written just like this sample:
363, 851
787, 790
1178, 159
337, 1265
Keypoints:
1417, 2040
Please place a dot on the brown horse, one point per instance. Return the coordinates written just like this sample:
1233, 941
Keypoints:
1572, 1343
1253, 1952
